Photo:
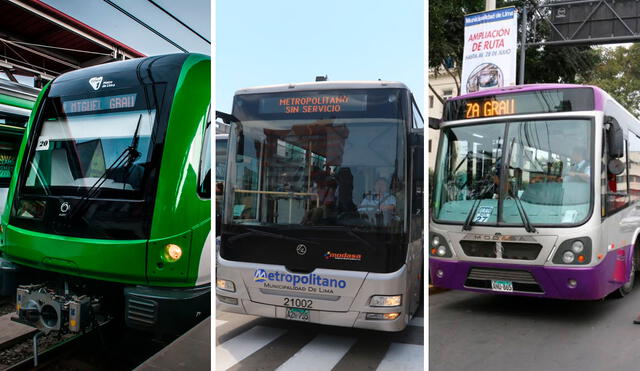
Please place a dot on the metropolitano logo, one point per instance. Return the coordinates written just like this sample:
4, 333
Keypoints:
260, 275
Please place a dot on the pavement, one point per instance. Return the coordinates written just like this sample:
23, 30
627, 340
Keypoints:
252, 343
472, 331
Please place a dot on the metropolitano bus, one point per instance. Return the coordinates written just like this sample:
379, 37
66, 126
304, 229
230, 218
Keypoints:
536, 193
323, 205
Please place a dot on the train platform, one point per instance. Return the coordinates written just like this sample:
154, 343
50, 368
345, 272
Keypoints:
191, 351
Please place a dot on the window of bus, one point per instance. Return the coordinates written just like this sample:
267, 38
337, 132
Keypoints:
469, 170
615, 188
633, 161
549, 175
319, 169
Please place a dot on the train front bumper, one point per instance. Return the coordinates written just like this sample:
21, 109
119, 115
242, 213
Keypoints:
591, 283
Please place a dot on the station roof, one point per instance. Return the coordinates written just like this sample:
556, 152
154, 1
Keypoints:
39, 40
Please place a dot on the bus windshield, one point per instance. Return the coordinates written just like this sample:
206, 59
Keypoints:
79, 143
544, 165
324, 170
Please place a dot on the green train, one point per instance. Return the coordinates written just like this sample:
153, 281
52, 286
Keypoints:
109, 211
16, 102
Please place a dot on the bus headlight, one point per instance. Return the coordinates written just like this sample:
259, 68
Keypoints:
172, 253
568, 257
439, 247
577, 246
385, 301
574, 251
226, 285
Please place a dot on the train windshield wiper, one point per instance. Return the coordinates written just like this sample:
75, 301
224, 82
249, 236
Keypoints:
126, 158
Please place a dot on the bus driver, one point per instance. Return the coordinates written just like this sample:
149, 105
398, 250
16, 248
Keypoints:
381, 202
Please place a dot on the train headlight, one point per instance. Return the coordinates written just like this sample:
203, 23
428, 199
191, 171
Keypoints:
385, 301
172, 253
568, 257
577, 246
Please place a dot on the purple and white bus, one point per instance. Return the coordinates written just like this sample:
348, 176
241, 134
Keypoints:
536, 193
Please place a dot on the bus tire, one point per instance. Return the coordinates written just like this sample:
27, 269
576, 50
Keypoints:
628, 286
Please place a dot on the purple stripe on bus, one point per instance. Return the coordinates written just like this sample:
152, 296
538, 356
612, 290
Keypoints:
594, 282
599, 94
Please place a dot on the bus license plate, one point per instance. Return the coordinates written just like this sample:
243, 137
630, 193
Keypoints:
502, 286
298, 314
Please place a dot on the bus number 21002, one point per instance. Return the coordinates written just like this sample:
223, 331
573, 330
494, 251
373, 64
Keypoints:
298, 303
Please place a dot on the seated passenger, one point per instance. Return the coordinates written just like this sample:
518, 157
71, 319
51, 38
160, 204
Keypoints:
379, 203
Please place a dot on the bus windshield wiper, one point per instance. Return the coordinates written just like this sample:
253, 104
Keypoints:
128, 156
523, 214
467, 223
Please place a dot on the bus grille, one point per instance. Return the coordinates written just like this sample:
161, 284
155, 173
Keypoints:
523, 281
481, 249
521, 251
510, 250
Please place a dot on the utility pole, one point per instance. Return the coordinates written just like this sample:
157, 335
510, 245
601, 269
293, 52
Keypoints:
523, 42
489, 5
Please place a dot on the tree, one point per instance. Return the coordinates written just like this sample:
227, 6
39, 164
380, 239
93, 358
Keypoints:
619, 75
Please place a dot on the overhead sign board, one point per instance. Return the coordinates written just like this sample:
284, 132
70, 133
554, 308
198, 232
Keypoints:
490, 42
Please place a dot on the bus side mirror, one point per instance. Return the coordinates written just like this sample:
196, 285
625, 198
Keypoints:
434, 123
615, 138
615, 166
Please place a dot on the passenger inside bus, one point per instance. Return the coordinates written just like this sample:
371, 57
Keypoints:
380, 205
579, 169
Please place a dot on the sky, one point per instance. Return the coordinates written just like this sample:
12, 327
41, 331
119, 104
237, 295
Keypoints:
108, 20
285, 41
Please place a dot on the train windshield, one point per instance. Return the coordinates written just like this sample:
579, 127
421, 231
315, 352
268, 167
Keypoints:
88, 143
535, 168
318, 159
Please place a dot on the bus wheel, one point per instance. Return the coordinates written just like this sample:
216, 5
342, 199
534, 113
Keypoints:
628, 286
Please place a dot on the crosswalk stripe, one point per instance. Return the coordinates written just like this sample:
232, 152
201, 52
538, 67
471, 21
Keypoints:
321, 353
220, 322
417, 321
238, 348
403, 357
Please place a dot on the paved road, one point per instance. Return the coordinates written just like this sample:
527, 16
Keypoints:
470, 331
252, 343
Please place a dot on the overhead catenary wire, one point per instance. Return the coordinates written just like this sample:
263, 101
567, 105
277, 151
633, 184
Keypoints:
179, 21
139, 21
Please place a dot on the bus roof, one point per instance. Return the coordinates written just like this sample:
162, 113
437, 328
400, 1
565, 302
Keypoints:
599, 94
322, 85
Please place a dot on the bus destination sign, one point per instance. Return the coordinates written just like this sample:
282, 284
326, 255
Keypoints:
490, 108
99, 104
314, 103
517, 103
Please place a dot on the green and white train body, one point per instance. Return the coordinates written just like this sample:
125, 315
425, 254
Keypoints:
113, 186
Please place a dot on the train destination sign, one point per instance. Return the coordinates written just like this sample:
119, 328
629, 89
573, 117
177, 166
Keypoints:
99, 104
314, 103
542, 101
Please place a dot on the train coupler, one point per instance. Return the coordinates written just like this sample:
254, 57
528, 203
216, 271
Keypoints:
48, 310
